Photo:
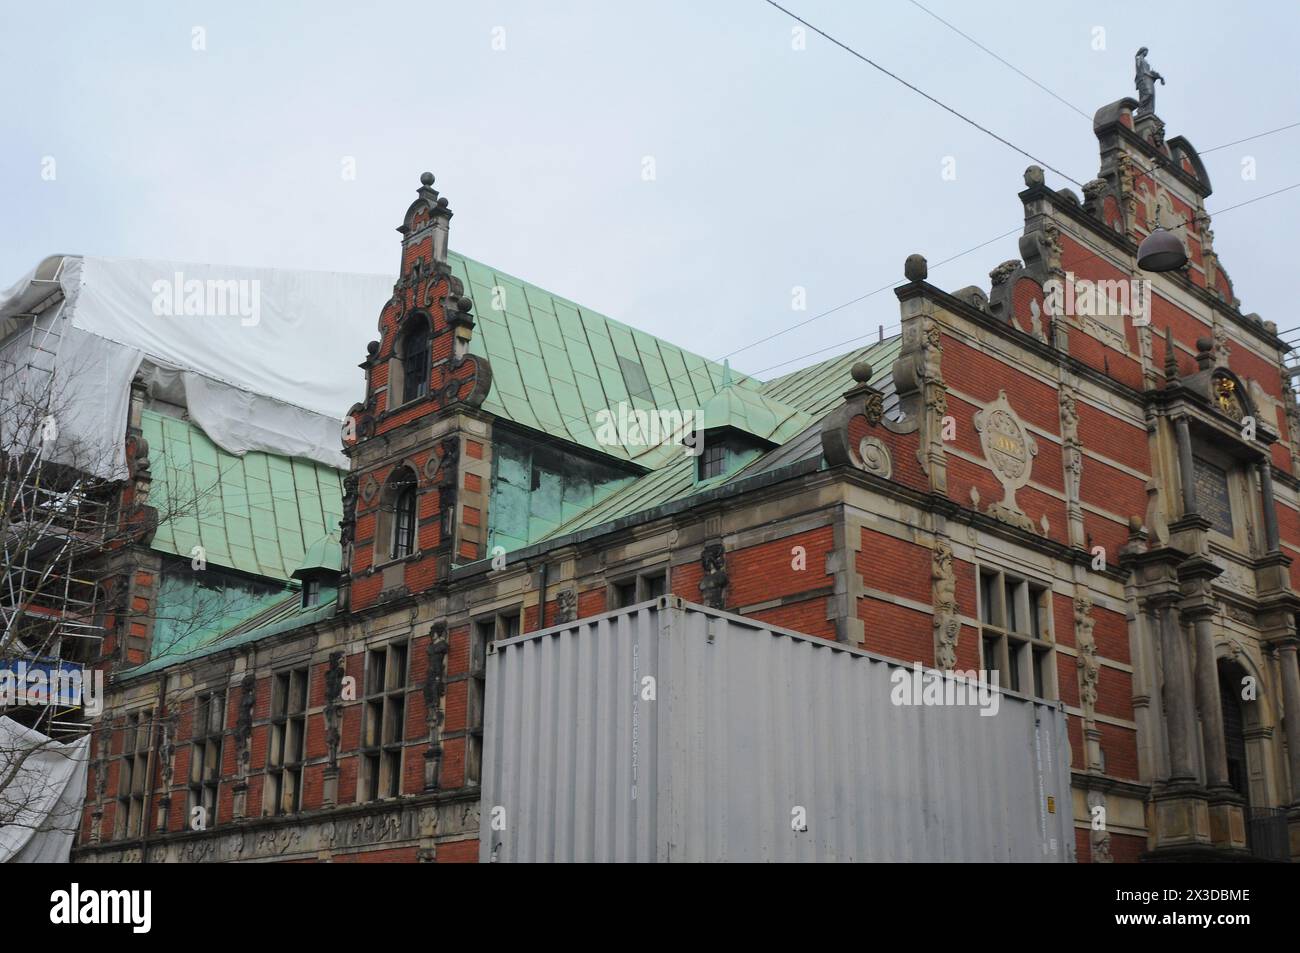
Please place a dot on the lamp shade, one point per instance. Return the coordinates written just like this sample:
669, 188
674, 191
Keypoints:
1161, 251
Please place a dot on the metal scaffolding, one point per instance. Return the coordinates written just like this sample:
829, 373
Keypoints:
55, 522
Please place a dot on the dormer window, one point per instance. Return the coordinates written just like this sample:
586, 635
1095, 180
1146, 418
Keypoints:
712, 460
725, 451
319, 571
737, 425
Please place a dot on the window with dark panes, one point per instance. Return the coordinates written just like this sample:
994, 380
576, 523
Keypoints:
415, 361
404, 523
1015, 631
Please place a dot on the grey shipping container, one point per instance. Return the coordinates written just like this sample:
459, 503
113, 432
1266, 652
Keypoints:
672, 732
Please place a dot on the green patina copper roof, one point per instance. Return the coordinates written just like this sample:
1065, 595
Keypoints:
754, 413
556, 366
325, 553
196, 608
819, 388
811, 393
256, 513
279, 615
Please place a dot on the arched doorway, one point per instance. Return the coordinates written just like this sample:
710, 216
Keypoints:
1266, 830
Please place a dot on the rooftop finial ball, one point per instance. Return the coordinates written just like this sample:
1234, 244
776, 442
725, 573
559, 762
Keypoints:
426, 178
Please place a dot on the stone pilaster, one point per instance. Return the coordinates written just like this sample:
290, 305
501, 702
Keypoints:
1290, 670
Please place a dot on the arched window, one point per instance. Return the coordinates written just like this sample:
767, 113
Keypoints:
414, 352
404, 520
397, 532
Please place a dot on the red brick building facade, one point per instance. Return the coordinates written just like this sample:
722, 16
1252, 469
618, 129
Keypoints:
1087, 484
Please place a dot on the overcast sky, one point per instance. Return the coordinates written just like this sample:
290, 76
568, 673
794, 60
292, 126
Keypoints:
773, 167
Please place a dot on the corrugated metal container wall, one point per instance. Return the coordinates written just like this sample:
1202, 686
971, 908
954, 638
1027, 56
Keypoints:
671, 732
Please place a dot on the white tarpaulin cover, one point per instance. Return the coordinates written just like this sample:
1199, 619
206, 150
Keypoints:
264, 359
40, 801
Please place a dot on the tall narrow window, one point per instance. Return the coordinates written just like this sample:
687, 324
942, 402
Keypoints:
404, 523
132, 772
205, 754
494, 628
384, 720
284, 755
415, 360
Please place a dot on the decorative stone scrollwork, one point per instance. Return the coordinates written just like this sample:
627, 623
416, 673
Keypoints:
277, 842
874, 457
1002, 272
947, 624
369, 489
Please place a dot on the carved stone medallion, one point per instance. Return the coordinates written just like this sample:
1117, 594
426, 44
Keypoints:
874, 457
1010, 450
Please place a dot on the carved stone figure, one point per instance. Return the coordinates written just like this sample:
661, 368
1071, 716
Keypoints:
333, 704
1145, 79
244, 725
1089, 667
714, 584
1072, 457
947, 625
566, 606
435, 683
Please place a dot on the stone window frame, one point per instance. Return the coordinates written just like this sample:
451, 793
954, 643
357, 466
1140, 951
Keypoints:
1028, 631
133, 772
207, 751
387, 678
648, 583
391, 495
414, 324
287, 733
501, 624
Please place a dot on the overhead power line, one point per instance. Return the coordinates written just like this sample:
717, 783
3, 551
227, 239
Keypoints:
1010, 66
1258, 135
862, 337
942, 105
869, 294
1066, 102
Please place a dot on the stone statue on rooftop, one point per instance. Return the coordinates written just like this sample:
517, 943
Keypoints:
1146, 84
